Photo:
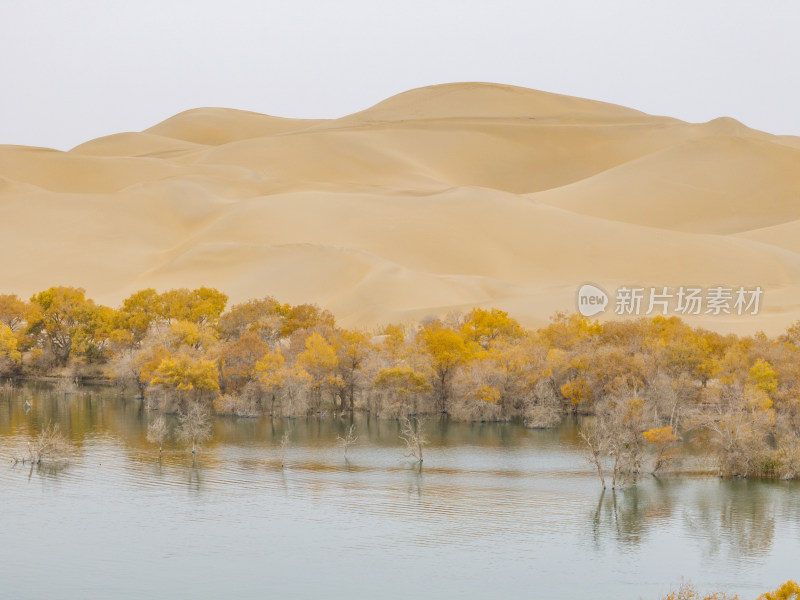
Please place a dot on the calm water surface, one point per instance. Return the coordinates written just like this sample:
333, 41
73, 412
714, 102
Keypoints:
497, 510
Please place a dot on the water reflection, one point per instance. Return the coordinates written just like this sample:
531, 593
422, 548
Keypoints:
627, 515
741, 520
522, 502
45, 470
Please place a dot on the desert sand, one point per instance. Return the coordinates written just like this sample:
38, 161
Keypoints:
435, 200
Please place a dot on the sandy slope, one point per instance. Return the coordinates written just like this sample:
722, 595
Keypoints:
437, 199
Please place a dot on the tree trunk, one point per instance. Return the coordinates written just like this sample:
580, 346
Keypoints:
599, 465
443, 391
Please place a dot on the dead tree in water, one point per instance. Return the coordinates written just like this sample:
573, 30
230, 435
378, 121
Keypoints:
49, 445
350, 438
195, 426
158, 432
414, 436
593, 451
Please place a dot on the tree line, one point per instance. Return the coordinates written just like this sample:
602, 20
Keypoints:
644, 387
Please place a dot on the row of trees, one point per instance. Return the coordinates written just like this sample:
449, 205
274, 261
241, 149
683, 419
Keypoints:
646, 385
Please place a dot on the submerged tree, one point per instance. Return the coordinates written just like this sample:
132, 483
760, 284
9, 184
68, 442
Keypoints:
412, 433
665, 442
350, 438
157, 432
194, 426
51, 445
595, 446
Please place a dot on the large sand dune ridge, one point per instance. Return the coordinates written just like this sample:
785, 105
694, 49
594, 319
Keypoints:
438, 199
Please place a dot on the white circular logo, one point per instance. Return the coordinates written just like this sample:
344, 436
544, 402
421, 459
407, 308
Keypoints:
591, 300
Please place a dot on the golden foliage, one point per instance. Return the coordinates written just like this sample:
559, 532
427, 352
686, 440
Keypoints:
660, 436
688, 592
484, 327
403, 380
788, 591
646, 380
184, 372
13, 311
763, 376
8, 345
69, 321
318, 357
271, 370
190, 334
577, 391
446, 348
202, 305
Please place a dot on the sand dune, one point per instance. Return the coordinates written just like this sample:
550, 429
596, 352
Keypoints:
715, 184
137, 144
216, 126
438, 199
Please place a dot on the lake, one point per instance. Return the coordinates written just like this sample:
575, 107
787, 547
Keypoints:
497, 510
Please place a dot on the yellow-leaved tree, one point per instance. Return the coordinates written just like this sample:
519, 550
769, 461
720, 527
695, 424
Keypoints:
138, 313
484, 327
10, 357
352, 350
187, 376
238, 360
318, 361
394, 343
448, 352
304, 316
14, 312
404, 386
762, 376
196, 336
67, 321
788, 591
202, 305
273, 374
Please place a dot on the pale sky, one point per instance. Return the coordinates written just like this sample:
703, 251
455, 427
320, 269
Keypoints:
79, 69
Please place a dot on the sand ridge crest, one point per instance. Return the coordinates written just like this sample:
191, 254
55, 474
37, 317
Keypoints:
437, 199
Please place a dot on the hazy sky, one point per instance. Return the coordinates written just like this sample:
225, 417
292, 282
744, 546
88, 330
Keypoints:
72, 70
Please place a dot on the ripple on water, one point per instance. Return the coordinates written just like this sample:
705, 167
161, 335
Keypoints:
499, 507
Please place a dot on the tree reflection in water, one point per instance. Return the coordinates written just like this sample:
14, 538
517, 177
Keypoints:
733, 518
628, 514
738, 517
